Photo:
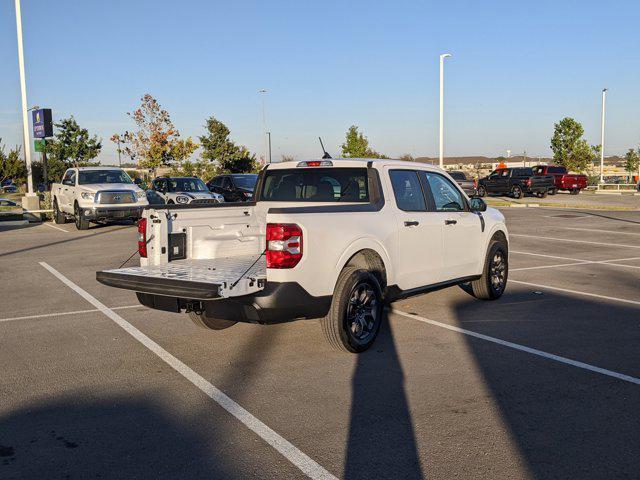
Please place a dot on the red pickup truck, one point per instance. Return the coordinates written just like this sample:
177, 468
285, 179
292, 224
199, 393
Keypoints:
563, 180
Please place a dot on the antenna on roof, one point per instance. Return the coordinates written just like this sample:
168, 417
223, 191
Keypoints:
325, 154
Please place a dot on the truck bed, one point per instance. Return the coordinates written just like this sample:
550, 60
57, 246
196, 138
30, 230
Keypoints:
195, 279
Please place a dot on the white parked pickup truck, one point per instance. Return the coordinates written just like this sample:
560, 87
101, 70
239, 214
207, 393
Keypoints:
331, 239
96, 194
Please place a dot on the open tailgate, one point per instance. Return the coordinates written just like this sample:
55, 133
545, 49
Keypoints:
193, 279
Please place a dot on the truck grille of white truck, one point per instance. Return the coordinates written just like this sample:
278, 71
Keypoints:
111, 197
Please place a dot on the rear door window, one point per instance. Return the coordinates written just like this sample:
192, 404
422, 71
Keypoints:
407, 190
316, 185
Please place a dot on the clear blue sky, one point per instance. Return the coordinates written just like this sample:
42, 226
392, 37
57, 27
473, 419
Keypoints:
517, 68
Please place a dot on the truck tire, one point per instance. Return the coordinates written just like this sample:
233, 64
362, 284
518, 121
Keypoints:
354, 319
575, 191
492, 283
552, 191
211, 323
541, 194
481, 191
58, 216
81, 222
516, 191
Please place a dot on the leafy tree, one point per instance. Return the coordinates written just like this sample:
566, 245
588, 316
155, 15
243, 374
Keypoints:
569, 148
11, 165
632, 161
218, 148
156, 142
356, 145
71, 146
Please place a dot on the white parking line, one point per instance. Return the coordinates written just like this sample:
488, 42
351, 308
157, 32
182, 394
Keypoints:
547, 256
60, 314
516, 346
573, 241
602, 231
577, 292
298, 458
584, 262
50, 225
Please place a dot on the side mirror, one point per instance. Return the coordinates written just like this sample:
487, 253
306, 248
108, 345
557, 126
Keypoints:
476, 204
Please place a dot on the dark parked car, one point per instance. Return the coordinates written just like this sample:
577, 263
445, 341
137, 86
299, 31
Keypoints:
236, 187
516, 182
9, 189
468, 185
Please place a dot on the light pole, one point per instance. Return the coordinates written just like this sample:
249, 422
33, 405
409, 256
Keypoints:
441, 155
263, 93
604, 102
269, 135
23, 91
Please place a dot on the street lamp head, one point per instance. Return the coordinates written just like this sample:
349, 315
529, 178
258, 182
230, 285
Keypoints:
262, 91
35, 107
445, 55
605, 89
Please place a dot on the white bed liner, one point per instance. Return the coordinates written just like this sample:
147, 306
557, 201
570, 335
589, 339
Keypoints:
249, 271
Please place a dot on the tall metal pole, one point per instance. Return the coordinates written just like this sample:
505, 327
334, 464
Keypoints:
441, 152
263, 92
269, 134
604, 102
23, 91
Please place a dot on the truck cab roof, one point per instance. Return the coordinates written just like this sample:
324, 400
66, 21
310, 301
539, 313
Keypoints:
350, 163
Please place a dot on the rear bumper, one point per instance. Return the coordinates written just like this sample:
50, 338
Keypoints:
112, 213
278, 302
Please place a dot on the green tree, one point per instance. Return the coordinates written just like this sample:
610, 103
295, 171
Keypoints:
569, 148
71, 146
632, 161
356, 145
12, 165
156, 142
219, 149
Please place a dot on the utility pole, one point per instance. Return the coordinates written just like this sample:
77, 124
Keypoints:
441, 153
604, 102
23, 92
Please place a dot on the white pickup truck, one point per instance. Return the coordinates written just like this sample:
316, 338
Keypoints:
96, 194
331, 239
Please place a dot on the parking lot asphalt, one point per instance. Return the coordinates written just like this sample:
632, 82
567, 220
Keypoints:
543, 383
586, 199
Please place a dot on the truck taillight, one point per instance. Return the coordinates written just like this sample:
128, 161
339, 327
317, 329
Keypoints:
142, 237
284, 245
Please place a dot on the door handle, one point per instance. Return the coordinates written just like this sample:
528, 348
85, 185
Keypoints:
450, 222
411, 223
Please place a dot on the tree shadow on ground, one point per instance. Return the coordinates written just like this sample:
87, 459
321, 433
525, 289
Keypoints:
567, 422
381, 442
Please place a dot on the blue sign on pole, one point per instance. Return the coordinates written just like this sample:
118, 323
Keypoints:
42, 123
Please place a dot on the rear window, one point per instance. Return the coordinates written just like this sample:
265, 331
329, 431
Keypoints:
316, 185
458, 175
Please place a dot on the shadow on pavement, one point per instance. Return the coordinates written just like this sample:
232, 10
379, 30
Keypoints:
60, 242
83, 437
567, 422
381, 441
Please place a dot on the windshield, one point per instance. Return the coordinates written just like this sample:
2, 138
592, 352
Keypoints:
316, 185
187, 185
245, 181
88, 177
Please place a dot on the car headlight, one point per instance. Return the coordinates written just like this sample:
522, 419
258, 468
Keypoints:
88, 195
182, 199
141, 195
